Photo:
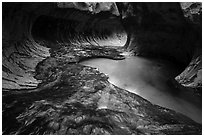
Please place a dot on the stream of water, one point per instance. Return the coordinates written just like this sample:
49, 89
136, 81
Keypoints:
149, 79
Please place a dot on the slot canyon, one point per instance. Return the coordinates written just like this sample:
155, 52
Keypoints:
101, 68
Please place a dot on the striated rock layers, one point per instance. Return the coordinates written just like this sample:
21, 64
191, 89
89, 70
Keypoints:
47, 91
168, 31
30, 29
192, 75
76, 99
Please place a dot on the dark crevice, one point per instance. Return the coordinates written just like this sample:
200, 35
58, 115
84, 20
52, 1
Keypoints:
47, 91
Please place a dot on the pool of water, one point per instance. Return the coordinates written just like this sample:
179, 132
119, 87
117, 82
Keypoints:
149, 78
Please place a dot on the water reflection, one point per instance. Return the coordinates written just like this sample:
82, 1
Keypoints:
149, 79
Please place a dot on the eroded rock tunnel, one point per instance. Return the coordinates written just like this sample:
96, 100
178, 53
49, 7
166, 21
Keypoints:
44, 86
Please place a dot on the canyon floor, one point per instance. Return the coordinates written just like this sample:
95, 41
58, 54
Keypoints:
77, 99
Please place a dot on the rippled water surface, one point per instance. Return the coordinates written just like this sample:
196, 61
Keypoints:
149, 79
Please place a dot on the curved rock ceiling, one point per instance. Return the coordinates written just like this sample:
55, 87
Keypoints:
42, 44
25, 24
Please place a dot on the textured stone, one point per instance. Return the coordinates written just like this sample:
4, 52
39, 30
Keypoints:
68, 98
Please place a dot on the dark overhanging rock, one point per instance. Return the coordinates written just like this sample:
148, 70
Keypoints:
67, 91
18, 21
89, 29
159, 30
191, 77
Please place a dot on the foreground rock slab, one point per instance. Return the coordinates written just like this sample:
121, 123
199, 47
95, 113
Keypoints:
76, 99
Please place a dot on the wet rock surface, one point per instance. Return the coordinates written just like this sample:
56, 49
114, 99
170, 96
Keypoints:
23, 50
76, 99
191, 77
47, 91
173, 34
